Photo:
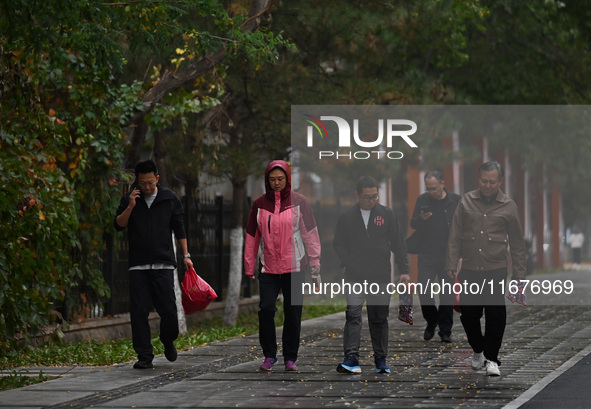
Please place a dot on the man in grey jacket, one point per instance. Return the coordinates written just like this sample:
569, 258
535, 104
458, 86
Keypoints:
485, 228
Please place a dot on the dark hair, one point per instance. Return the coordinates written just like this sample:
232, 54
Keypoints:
365, 181
145, 167
434, 174
492, 165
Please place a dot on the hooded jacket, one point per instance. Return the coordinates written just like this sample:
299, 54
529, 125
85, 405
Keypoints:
150, 229
281, 231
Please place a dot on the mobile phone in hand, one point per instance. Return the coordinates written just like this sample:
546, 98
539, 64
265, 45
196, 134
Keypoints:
425, 209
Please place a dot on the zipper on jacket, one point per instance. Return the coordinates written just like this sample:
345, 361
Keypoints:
269, 224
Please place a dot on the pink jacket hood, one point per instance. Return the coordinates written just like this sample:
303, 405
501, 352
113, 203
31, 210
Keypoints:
284, 166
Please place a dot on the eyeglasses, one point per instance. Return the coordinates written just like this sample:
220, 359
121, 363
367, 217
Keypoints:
373, 198
146, 184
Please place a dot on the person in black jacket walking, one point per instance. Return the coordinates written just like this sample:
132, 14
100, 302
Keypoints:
151, 213
432, 216
365, 237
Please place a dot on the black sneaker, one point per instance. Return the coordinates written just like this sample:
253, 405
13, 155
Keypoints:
429, 332
170, 352
446, 338
143, 365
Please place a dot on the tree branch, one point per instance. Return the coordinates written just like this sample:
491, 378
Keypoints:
194, 69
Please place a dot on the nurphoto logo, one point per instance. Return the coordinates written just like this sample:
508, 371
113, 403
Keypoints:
388, 131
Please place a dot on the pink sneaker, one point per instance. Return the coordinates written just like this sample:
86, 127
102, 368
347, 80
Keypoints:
267, 364
290, 366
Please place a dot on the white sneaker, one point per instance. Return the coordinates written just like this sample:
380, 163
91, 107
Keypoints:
492, 369
477, 360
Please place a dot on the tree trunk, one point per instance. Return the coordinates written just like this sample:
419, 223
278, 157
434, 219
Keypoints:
160, 157
137, 143
179, 297
236, 250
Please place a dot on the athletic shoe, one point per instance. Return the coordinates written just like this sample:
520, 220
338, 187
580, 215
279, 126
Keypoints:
267, 364
477, 360
492, 368
350, 365
381, 366
290, 366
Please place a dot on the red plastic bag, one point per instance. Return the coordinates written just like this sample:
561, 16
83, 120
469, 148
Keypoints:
197, 294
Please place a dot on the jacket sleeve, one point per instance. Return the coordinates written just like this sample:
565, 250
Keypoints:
310, 235
177, 223
454, 242
415, 221
398, 246
251, 243
122, 206
517, 247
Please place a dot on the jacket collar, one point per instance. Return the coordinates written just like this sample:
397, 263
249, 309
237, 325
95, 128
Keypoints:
475, 195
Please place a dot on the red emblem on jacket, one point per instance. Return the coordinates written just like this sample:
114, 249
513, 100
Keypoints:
378, 221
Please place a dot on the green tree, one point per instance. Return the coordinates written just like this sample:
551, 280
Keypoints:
68, 84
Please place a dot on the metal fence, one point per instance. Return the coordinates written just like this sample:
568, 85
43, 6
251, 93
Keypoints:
207, 224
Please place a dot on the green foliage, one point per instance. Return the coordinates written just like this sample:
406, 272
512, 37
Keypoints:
38, 215
115, 352
71, 72
20, 378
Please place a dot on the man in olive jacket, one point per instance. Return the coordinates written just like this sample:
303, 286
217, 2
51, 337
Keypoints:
485, 228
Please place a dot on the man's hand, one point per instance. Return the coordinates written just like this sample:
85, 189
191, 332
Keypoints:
426, 215
135, 193
123, 218
452, 274
188, 263
404, 278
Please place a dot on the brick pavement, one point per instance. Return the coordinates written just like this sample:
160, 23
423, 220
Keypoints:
538, 341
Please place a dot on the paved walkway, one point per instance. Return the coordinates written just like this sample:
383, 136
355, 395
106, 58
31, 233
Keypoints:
543, 345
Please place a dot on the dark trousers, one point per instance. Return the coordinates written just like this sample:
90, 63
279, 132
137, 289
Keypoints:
152, 288
577, 255
491, 305
431, 269
269, 287
378, 309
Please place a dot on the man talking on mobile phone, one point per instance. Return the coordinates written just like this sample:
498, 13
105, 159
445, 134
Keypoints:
151, 213
431, 218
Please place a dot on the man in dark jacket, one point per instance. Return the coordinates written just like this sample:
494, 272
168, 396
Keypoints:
431, 219
151, 214
365, 237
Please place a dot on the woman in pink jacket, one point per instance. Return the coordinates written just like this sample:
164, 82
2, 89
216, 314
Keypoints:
282, 236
